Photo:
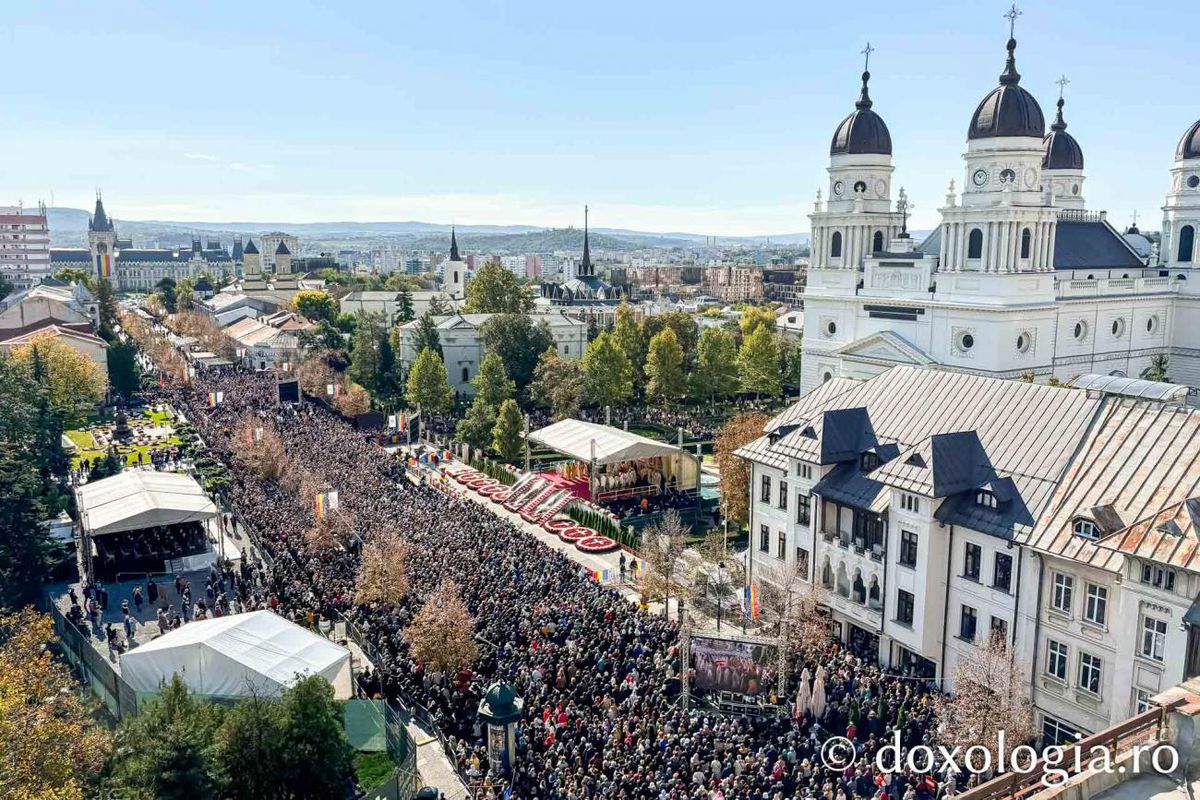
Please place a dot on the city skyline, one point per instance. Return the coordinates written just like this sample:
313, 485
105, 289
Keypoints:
665, 119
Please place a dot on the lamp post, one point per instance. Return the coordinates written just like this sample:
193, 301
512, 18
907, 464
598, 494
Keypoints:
720, 592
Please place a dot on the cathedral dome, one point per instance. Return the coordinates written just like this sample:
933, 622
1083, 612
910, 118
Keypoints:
1189, 145
1008, 110
863, 131
1062, 151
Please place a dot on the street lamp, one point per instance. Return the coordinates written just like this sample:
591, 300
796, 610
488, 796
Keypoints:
720, 592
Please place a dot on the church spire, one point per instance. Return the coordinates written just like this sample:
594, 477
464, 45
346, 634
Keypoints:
585, 267
1059, 123
453, 246
1010, 76
100, 220
864, 99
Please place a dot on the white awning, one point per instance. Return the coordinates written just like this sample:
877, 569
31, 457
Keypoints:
584, 440
258, 653
136, 499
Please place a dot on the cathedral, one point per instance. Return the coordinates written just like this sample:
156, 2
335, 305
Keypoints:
1019, 280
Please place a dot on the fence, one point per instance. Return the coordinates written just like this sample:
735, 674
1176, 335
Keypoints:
1115, 741
105, 682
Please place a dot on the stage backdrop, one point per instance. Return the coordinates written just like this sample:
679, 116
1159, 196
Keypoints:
729, 665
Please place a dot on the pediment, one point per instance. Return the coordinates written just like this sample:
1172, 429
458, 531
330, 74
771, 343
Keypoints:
887, 346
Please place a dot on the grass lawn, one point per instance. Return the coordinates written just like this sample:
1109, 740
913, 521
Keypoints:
86, 445
372, 769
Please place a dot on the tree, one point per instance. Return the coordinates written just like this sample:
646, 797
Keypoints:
321, 336
75, 382
475, 428
185, 294
607, 373
383, 571
404, 305
389, 383
439, 306
106, 300
790, 360
518, 342
315, 305
53, 746
492, 382
629, 338
735, 471
496, 290
662, 552
75, 275
249, 749
1157, 371
364, 353
686, 331
123, 375
317, 758
990, 697
6, 287
716, 373
558, 383
758, 363
166, 751
353, 400
755, 317
442, 634
506, 435
664, 368
260, 448
428, 386
426, 337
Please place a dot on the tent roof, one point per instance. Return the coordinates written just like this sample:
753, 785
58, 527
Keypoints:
574, 438
232, 655
137, 499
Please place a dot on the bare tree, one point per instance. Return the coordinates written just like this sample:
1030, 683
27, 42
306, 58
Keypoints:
989, 697
662, 553
442, 634
260, 448
383, 572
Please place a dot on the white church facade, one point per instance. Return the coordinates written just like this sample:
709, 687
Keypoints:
1020, 279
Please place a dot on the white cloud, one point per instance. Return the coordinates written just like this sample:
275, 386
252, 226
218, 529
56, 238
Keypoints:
199, 157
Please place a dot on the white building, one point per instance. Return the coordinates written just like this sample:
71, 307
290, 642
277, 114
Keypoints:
1019, 277
935, 510
463, 348
24, 246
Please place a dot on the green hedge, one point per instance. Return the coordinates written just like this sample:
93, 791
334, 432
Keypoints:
494, 470
602, 524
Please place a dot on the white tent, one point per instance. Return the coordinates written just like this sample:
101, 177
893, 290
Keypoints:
258, 652
588, 441
136, 499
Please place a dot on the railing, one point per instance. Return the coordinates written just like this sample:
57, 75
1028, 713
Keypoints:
104, 680
1114, 742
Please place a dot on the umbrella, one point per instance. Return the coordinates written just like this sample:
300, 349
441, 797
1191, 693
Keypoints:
818, 695
803, 699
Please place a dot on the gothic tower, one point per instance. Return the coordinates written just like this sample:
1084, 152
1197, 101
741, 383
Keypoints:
102, 241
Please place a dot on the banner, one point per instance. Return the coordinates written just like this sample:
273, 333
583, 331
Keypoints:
215, 398
729, 665
326, 502
402, 422
103, 265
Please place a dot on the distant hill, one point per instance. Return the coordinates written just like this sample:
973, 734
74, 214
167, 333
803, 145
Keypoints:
68, 228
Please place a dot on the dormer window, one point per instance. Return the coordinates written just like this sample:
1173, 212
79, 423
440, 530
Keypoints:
986, 499
869, 461
1085, 528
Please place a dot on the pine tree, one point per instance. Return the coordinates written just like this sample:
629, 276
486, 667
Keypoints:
317, 758
428, 386
608, 375
506, 435
492, 382
388, 381
404, 307
24, 545
475, 428
364, 355
664, 368
427, 335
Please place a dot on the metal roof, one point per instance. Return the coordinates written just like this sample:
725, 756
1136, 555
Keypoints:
1131, 387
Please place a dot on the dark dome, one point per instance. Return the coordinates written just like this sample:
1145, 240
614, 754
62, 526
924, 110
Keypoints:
1008, 110
1189, 145
863, 131
1062, 151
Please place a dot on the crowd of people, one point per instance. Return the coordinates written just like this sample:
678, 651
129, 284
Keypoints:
599, 676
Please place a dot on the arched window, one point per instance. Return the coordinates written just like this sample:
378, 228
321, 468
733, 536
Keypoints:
1026, 238
1187, 240
877, 242
466, 375
975, 244
835, 245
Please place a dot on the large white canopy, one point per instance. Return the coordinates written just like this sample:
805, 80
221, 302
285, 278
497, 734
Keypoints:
257, 653
575, 438
136, 499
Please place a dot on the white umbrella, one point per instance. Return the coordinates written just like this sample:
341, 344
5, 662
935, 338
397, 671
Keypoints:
818, 694
803, 699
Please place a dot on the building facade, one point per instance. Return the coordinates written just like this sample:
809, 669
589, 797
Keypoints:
1019, 279
24, 246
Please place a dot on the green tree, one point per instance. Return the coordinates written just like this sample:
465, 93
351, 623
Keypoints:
506, 436
558, 384
24, 546
6, 287
428, 385
249, 749
629, 338
123, 374
166, 292
664, 368
166, 751
315, 305
758, 363
185, 294
107, 302
317, 758
791, 357
492, 382
389, 383
716, 372
754, 317
475, 428
427, 337
346, 322
404, 306
518, 342
438, 306
686, 331
607, 373
496, 290
75, 275
369, 332
75, 382
322, 336
1157, 371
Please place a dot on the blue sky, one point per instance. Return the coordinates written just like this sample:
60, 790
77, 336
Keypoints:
662, 115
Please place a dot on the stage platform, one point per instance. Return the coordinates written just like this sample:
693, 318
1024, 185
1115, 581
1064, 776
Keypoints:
576, 486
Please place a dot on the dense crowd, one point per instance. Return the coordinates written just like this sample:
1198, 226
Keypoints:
599, 676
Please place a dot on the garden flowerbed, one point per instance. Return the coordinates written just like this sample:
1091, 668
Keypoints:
560, 524
575, 534
596, 544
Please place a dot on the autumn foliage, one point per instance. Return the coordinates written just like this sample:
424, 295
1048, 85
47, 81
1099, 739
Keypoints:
735, 471
442, 634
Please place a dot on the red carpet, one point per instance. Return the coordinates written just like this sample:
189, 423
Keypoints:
577, 486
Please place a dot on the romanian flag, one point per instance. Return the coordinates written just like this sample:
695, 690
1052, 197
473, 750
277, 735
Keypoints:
402, 422
447, 455
103, 265
215, 398
602, 575
752, 604
326, 502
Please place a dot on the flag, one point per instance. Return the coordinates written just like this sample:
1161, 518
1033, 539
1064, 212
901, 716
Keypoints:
391, 422
752, 605
103, 265
258, 434
332, 499
446, 454
402, 422
215, 398
329, 388
320, 509
601, 575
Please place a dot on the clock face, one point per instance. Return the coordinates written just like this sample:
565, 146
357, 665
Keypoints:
1008, 175
838, 188
1193, 181
980, 178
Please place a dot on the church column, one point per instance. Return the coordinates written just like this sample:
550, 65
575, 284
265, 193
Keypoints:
1052, 229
